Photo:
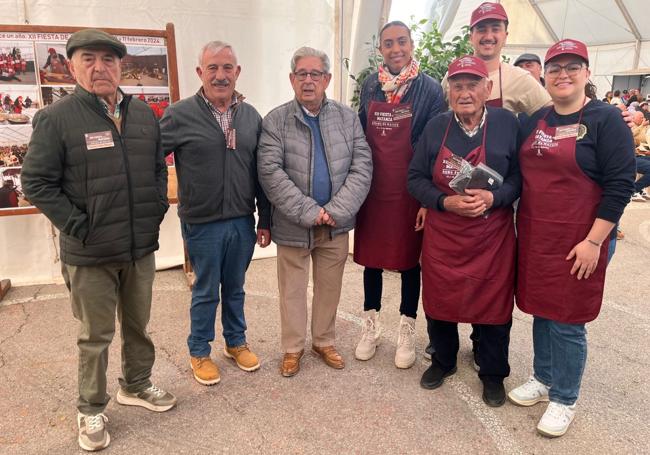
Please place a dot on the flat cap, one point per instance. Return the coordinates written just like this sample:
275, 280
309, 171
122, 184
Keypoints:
528, 58
91, 37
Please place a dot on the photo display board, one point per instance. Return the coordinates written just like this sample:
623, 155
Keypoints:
35, 72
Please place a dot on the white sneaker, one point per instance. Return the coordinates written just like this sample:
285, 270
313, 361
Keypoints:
556, 420
637, 197
529, 393
92, 432
405, 354
370, 337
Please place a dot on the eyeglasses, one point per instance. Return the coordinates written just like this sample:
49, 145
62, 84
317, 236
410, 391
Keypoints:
315, 75
571, 69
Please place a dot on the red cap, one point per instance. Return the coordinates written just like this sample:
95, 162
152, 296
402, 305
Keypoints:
567, 47
488, 10
467, 64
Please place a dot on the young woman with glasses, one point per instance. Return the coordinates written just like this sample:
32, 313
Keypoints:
577, 166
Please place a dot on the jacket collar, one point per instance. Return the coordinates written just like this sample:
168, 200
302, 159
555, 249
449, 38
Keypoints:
298, 111
93, 99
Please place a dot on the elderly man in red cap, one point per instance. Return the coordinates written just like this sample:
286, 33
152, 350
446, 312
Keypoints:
468, 251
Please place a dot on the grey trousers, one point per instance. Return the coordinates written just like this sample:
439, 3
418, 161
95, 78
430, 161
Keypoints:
96, 294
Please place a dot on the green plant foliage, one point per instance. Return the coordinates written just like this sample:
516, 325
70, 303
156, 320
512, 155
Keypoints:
431, 51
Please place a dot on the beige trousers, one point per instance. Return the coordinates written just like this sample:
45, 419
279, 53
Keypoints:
328, 257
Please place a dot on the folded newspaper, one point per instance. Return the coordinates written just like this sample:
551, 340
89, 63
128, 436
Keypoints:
481, 177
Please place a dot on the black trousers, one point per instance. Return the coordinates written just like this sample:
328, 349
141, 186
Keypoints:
474, 336
373, 284
492, 347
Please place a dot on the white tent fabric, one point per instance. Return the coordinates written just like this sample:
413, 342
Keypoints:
617, 32
264, 35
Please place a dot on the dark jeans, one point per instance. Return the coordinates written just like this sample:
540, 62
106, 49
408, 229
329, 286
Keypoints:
642, 167
492, 348
373, 284
220, 253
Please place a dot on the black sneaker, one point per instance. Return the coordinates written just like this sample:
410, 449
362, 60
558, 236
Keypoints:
494, 394
429, 351
434, 376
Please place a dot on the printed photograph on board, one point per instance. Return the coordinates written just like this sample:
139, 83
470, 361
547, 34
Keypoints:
19, 104
51, 95
145, 66
17, 65
53, 65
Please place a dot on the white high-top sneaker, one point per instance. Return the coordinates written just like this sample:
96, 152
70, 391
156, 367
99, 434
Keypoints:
556, 420
405, 353
370, 337
529, 393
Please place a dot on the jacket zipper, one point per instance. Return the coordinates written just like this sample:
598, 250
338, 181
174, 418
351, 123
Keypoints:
125, 157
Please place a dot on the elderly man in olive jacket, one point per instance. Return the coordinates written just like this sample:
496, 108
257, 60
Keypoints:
95, 168
315, 167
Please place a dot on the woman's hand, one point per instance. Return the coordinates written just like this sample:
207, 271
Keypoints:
586, 256
420, 218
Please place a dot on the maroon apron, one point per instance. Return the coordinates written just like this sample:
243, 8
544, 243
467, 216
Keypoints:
557, 209
497, 102
468, 264
384, 236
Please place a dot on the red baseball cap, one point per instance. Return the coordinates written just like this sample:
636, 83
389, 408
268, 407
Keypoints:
488, 10
467, 64
567, 47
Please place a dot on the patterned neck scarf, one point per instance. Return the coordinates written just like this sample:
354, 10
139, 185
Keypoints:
394, 87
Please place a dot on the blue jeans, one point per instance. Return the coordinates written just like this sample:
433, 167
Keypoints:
642, 167
220, 253
560, 358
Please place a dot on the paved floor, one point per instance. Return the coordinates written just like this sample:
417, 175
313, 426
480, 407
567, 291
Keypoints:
370, 407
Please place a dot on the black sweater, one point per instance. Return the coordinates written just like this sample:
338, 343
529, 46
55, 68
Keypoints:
214, 183
605, 154
501, 155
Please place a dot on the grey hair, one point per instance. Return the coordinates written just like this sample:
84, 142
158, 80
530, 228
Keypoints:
310, 52
216, 47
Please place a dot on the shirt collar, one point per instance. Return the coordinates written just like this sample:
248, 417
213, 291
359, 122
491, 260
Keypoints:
472, 133
118, 105
236, 99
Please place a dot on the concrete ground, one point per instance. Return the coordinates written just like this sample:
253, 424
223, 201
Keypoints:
369, 407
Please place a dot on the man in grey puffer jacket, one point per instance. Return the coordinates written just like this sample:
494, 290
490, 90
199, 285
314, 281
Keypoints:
315, 167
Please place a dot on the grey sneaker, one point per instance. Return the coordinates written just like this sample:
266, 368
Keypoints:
153, 399
93, 434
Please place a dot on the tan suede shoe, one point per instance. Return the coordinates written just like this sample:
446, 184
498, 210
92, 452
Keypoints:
205, 370
331, 357
291, 363
243, 356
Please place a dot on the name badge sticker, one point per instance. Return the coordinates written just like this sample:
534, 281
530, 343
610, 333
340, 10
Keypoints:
563, 132
99, 140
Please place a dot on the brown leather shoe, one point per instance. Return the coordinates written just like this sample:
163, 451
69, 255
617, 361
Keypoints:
291, 363
330, 356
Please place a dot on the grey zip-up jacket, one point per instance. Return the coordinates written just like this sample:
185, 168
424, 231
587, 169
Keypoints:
285, 164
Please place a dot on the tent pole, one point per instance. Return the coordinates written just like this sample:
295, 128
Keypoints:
549, 29
633, 28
